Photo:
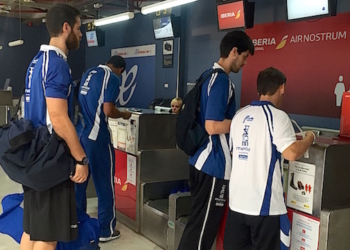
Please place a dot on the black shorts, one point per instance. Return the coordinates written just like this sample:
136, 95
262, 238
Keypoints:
246, 232
51, 215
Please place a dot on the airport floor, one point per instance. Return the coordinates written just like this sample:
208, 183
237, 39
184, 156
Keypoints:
129, 240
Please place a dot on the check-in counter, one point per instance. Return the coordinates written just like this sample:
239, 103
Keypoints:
179, 209
148, 168
317, 187
317, 196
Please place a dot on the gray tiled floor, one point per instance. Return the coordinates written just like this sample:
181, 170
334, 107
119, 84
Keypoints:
129, 240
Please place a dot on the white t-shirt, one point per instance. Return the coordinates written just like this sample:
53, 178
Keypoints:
259, 134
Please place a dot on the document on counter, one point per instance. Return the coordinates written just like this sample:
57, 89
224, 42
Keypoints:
305, 232
131, 171
301, 186
121, 136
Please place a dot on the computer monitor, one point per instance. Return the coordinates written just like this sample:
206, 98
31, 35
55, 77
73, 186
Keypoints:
91, 38
235, 14
95, 38
231, 15
301, 9
163, 27
160, 109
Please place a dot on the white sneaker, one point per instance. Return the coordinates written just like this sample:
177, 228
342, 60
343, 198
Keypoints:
115, 235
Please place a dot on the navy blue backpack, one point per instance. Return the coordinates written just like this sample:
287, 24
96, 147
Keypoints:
33, 157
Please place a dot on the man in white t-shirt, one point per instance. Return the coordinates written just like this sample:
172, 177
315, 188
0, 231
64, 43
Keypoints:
260, 135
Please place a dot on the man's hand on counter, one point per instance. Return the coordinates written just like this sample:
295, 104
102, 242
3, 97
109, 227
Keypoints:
126, 115
312, 134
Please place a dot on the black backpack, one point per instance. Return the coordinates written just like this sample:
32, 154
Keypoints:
190, 135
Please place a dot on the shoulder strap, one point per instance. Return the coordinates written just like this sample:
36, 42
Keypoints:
204, 76
15, 115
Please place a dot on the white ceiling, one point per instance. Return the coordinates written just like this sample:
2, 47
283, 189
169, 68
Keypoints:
35, 10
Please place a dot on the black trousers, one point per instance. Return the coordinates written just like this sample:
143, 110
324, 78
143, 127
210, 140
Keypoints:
209, 196
246, 232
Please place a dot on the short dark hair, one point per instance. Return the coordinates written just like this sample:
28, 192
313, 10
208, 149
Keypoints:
269, 80
238, 39
117, 62
58, 15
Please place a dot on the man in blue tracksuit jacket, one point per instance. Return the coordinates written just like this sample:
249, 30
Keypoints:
98, 92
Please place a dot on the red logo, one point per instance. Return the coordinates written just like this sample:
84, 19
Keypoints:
304, 231
302, 248
231, 15
302, 239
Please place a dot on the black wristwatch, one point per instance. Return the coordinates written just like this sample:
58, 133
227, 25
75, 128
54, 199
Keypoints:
84, 161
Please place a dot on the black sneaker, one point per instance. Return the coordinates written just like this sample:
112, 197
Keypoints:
115, 235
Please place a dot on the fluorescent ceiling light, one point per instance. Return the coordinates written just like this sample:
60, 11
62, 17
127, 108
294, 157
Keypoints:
163, 5
114, 19
20, 41
16, 43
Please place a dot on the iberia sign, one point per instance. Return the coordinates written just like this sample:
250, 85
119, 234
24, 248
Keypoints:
231, 15
313, 56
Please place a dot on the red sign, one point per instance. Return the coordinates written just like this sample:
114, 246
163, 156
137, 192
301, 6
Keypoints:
314, 57
231, 15
125, 193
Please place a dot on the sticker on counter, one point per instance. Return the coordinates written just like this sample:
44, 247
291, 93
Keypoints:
121, 136
131, 171
305, 232
301, 184
131, 137
113, 127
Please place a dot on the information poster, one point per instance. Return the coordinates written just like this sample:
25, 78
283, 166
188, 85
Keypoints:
131, 171
301, 185
305, 233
